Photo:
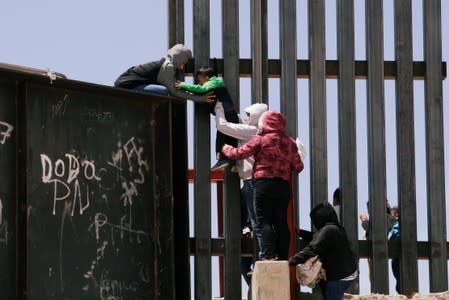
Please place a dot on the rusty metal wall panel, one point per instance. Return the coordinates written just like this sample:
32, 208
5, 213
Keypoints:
8, 197
376, 146
98, 184
162, 179
405, 137
180, 163
202, 188
435, 146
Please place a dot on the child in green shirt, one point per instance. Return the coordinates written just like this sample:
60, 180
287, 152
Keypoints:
208, 82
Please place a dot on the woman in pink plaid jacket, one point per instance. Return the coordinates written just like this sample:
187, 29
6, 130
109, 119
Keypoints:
275, 158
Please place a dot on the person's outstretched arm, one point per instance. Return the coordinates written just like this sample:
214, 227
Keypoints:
244, 151
306, 235
198, 88
167, 78
318, 246
240, 131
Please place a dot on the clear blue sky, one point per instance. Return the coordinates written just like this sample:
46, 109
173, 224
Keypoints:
95, 41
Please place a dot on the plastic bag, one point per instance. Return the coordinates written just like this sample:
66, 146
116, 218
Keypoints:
301, 149
310, 272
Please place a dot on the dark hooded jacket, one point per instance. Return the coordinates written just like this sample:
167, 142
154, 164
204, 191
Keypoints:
162, 72
330, 243
138, 75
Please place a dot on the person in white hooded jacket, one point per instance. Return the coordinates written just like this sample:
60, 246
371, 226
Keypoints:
243, 132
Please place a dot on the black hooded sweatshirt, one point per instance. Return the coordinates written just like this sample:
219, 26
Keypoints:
330, 243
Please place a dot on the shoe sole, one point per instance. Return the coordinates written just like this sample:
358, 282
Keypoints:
223, 166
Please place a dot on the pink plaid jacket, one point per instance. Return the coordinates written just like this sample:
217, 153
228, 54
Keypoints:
275, 154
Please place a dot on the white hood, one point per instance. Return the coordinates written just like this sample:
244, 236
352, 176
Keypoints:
255, 111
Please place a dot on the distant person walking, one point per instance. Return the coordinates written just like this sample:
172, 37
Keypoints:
275, 158
394, 234
366, 225
366, 222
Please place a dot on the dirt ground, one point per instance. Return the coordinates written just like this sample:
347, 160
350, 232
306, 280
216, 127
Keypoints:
435, 296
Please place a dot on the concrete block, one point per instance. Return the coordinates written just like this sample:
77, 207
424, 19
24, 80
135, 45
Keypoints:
270, 281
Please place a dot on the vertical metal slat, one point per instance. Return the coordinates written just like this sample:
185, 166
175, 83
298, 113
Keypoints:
318, 115
180, 166
347, 122
231, 184
289, 93
202, 188
376, 146
259, 51
406, 145
435, 146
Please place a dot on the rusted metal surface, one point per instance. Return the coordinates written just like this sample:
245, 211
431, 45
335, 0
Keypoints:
8, 189
52, 75
94, 189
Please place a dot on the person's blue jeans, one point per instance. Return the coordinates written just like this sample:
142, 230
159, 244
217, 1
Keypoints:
335, 290
247, 194
152, 88
247, 207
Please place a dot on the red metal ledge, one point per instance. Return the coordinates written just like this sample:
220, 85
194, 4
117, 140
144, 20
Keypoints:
215, 176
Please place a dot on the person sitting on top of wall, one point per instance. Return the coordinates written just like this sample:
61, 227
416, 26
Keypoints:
159, 77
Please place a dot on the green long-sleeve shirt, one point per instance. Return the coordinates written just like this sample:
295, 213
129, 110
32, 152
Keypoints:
213, 83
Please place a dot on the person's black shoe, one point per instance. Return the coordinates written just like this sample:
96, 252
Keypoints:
220, 164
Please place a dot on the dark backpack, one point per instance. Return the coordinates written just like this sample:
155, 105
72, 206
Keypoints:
138, 75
